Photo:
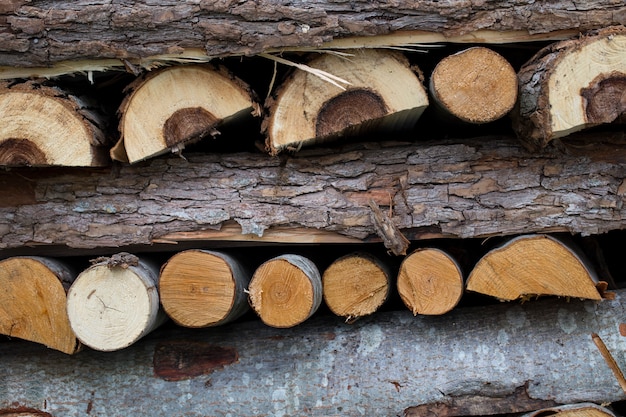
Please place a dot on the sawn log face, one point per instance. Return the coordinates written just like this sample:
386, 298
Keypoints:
463, 188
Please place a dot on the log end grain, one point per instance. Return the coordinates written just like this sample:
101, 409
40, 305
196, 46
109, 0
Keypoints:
430, 282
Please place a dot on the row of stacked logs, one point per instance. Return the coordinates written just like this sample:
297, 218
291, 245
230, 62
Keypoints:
118, 300
332, 96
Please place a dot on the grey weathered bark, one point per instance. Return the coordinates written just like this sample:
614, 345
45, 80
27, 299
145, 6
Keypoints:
463, 188
503, 358
38, 33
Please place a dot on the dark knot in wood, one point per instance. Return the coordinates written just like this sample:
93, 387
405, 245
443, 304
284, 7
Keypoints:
188, 124
178, 360
21, 152
605, 98
348, 109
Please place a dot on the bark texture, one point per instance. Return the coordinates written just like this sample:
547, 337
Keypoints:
38, 33
495, 358
456, 188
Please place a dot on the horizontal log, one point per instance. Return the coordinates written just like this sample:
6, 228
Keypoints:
44, 32
455, 188
504, 358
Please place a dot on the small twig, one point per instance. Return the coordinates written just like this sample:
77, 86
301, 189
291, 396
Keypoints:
610, 360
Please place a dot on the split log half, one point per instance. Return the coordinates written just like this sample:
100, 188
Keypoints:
111, 306
383, 92
476, 85
430, 282
201, 288
573, 410
44, 126
32, 302
572, 85
356, 285
534, 265
286, 290
172, 107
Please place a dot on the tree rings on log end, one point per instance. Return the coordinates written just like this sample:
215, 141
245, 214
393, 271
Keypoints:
33, 300
476, 85
533, 265
356, 285
286, 290
430, 282
200, 288
110, 308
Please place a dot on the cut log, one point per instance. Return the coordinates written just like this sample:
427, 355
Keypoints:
475, 187
476, 85
430, 282
356, 285
382, 92
499, 359
114, 303
43, 126
286, 290
534, 265
201, 288
573, 410
170, 108
33, 299
572, 85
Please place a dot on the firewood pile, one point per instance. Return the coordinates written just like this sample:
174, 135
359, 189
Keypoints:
402, 221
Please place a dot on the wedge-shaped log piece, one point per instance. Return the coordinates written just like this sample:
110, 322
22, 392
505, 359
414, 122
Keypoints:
175, 106
573, 410
356, 285
476, 85
383, 92
286, 290
200, 288
572, 85
32, 302
113, 303
430, 282
533, 265
44, 126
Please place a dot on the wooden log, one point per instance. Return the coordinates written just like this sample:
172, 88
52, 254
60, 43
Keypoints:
170, 108
534, 265
430, 281
34, 34
356, 285
33, 299
450, 188
476, 85
201, 288
383, 92
44, 126
573, 410
497, 359
114, 303
286, 290
560, 93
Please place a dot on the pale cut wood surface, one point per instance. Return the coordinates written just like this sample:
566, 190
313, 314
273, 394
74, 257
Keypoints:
572, 85
476, 85
286, 290
356, 285
573, 410
111, 307
44, 32
382, 92
430, 282
46, 126
175, 106
32, 302
504, 358
450, 188
534, 265
201, 288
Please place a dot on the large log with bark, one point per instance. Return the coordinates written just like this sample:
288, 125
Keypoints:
504, 358
41, 33
464, 188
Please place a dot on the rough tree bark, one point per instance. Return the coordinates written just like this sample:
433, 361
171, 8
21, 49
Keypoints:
42, 32
464, 188
499, 359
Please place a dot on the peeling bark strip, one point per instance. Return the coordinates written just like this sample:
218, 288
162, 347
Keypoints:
40, 33
506, 357
462, 188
